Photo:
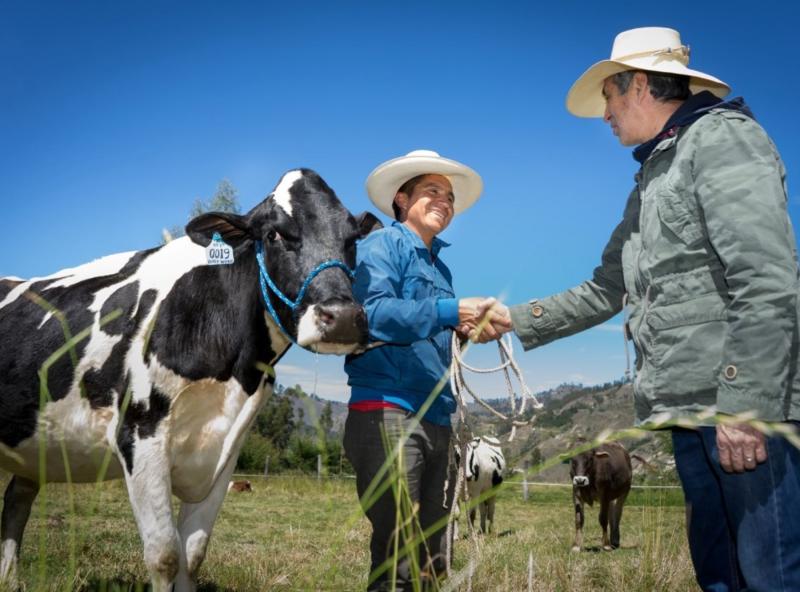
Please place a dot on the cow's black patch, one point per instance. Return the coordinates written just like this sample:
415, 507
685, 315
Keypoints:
497, 478
123, 301
216, 309
141, 419
100, 384
34, 328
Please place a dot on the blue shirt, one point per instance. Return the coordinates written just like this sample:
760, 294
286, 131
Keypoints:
407, 293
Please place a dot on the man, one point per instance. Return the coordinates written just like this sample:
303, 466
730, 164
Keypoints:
704, 263
400, 395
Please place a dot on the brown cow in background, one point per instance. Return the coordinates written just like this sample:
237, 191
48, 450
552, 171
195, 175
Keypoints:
602, 473
240, 486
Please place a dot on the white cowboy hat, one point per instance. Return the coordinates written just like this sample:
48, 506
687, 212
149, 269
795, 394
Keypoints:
654, 49
388, 177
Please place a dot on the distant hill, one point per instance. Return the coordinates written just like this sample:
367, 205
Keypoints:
570, 412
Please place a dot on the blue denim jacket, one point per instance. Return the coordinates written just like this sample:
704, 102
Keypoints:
408, 296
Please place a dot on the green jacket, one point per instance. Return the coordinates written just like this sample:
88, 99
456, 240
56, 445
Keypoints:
705, 258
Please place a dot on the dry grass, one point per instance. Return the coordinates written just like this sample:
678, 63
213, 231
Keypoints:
297, 533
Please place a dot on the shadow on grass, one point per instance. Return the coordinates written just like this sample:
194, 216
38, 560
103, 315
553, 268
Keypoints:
128, 586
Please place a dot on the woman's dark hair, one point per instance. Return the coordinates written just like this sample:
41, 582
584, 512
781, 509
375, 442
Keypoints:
408, 189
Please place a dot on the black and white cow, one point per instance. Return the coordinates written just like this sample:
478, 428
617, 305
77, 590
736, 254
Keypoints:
483, 473
167, 363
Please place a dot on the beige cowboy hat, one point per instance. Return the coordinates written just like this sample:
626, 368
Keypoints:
654, 49
388, 177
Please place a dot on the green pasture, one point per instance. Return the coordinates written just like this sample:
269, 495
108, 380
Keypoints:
300, 533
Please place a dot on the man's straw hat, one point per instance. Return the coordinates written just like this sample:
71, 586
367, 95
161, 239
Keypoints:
387, 178
654, 49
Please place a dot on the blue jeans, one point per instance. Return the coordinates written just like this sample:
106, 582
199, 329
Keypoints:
744, 528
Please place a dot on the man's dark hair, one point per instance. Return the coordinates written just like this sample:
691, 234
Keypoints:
663, 87
408, 189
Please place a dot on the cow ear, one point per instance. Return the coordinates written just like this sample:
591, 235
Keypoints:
367, 222
234, 229
600, 453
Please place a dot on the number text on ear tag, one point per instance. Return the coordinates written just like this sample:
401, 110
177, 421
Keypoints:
218, 252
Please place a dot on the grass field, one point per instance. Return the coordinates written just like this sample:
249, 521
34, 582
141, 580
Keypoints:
297, 533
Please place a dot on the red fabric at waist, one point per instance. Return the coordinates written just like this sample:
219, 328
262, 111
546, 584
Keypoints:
372, 405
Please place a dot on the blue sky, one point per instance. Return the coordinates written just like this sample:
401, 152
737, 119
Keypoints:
115, 117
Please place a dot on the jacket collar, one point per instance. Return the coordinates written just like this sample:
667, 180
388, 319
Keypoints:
690, 111
436, 246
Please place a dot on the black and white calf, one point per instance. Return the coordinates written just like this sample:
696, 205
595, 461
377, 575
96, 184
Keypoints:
169, 362
484, 471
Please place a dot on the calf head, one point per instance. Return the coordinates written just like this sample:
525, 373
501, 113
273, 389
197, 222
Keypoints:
582, 466
299, 229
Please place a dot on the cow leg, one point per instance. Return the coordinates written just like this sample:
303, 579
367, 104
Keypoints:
150, 492
604, 512
616, 517
483, 507
576, 546
490, 512
17, 503
195, 522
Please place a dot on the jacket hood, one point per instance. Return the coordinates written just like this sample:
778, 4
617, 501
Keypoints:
690, 111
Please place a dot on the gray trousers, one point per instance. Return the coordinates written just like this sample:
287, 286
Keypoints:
425, 458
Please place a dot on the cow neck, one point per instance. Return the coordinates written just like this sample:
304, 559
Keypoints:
268, 285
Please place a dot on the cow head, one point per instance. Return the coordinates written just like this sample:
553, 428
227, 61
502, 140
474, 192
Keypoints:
301, 225
582, 466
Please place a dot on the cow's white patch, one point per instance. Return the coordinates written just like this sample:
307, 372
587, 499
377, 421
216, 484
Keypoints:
279, 341
208, 423
308, 332
45, 318
107, 265
281, 193
70, 423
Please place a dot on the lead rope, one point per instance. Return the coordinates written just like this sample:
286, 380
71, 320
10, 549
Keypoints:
464, 433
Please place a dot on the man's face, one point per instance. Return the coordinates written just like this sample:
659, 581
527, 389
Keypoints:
623, 113
429, 209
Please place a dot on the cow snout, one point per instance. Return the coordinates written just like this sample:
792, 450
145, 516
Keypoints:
342, 322
580, 481
333, 327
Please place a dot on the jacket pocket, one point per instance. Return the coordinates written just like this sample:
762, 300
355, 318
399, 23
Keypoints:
686, 343
678, 216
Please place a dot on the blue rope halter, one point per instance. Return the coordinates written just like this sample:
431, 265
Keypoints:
266, 282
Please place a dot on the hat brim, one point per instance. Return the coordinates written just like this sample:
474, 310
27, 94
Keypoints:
585, 98
387, 178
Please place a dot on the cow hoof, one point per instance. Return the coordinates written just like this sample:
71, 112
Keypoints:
608, 548
576, 549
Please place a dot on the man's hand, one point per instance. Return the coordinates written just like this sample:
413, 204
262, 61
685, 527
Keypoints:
483, 319
741, 447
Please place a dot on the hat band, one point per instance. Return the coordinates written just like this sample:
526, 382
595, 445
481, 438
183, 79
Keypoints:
681, 54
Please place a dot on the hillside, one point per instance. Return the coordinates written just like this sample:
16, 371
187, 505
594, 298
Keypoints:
572, 413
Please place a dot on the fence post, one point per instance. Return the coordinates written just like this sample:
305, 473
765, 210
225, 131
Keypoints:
525, 482
266, 467
319, 467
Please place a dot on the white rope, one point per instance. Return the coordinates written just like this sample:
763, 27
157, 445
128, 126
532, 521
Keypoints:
507, 365
464, 434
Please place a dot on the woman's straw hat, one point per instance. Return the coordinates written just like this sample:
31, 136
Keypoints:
387, 178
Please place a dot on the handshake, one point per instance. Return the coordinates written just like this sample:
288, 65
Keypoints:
482, 319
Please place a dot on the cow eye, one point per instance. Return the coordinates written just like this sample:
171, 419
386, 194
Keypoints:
271, 236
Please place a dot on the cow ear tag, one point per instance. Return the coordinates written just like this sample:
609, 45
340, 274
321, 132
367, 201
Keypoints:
218, 252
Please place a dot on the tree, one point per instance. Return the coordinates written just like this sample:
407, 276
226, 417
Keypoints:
225, 199
326, 419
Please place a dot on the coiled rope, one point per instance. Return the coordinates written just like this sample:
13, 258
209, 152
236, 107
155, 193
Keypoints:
463, 435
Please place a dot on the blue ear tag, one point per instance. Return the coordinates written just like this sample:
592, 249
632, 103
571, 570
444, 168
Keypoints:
218, 252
